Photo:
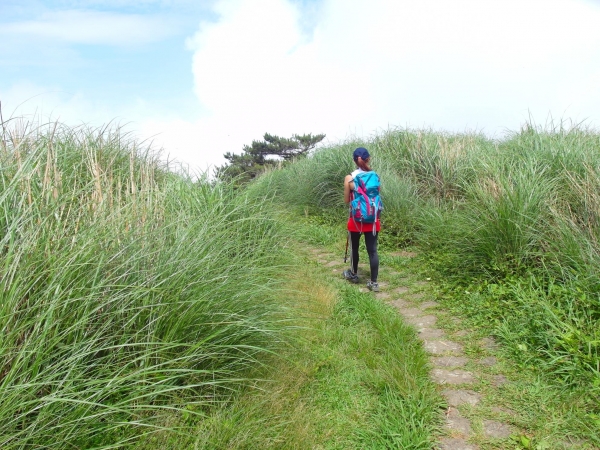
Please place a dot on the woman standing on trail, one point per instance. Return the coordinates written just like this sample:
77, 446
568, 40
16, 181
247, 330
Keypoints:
356, 228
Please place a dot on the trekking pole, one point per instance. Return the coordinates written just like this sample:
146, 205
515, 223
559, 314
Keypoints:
347, 239
348, 234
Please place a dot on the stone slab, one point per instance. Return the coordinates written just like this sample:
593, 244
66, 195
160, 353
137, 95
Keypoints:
457, 397
489, 361
503, 410
455, 376
412, 312
456, 444
382, 295
449, 361
422, 322
431, 334
496, 430
400, 304
499, 380
457, 424
441, 347
488, 343
401, 290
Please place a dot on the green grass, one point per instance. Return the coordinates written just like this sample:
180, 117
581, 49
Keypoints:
509, 228
358, 378
543, 411
143, 309
137, 303
488, 213
127, 291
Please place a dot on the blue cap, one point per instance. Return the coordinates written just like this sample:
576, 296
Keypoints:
361, 152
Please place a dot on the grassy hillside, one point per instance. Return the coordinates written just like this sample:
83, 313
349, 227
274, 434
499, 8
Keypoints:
511, 228
137, 304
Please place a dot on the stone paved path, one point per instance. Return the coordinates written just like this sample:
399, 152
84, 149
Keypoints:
453, 370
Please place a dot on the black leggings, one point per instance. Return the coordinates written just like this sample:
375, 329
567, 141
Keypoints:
371, 243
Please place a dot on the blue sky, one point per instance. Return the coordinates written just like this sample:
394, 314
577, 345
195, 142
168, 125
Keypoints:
115, 54
201, 78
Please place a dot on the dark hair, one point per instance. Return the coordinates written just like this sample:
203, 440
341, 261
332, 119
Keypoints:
363, 164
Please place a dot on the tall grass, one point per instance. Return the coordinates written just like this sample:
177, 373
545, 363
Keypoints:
514, 222
437, 162
126, 290
315, 186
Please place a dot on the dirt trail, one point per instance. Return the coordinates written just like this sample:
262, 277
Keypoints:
472, 420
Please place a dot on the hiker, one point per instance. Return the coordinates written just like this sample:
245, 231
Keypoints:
366, 221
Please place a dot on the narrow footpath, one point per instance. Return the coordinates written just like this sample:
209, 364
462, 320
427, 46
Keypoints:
468, 380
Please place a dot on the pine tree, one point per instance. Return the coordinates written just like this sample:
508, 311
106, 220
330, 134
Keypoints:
262, 154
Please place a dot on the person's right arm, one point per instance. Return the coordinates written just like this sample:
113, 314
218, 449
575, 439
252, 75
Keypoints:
348, 188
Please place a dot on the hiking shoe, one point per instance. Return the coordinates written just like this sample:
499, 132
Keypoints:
351, 277
373, 286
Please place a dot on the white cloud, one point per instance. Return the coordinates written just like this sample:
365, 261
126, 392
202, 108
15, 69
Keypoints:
457, 65
36, 102
465, 63
138, 4
256, 73
92, 27
367, 64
